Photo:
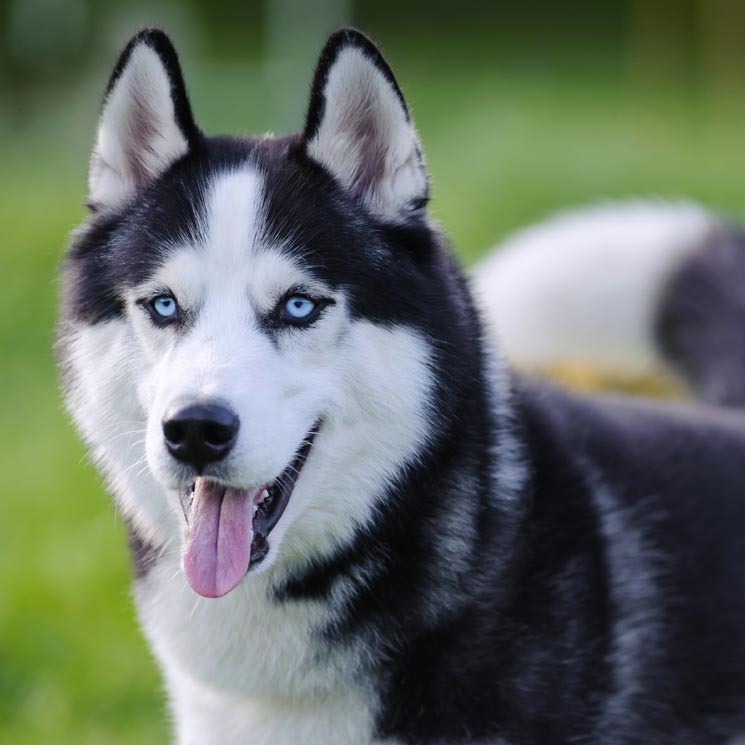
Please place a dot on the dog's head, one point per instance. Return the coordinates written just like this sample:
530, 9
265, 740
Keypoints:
252, 327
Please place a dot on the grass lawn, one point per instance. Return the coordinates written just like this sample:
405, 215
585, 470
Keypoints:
506, 142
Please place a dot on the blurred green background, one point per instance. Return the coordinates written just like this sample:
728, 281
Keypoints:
523, 108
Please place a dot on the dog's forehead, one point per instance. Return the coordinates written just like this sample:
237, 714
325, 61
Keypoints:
263, 197
233, 246
233, 215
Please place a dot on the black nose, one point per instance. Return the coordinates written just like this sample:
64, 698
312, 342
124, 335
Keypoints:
200, 433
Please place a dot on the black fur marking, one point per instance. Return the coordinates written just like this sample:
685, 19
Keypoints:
338, 42
676, 470
700, 323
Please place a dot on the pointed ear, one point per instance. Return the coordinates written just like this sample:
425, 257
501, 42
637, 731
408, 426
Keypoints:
358, 128
146, 122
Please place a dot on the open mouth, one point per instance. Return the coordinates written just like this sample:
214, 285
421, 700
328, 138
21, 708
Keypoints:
228, 528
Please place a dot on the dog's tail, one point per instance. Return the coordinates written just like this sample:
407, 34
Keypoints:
629, 291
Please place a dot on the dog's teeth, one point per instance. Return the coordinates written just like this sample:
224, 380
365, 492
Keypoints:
263, 496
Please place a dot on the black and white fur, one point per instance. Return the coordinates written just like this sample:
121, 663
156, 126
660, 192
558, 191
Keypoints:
631, 289
465, 558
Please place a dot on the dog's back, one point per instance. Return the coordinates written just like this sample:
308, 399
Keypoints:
660, 486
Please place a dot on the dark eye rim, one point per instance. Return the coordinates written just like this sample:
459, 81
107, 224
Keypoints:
284, 319
148, 304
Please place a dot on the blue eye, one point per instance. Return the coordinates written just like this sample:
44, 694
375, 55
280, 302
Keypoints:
299, 307
165, 306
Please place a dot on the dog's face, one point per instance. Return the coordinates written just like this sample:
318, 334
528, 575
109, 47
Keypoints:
247, 333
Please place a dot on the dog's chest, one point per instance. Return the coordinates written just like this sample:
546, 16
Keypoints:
246, 643
246, 668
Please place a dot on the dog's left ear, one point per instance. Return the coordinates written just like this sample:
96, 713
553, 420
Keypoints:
358, 127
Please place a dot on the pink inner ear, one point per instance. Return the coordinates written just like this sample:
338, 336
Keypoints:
140, 133
371, 149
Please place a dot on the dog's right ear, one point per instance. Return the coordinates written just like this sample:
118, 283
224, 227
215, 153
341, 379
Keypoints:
146, 121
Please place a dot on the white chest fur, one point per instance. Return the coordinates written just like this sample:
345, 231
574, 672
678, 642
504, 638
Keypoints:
247, 669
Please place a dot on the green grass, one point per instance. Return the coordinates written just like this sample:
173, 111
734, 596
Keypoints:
506, 143
73, 668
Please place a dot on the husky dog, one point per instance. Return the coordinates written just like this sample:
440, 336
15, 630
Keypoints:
633, 289
350, 523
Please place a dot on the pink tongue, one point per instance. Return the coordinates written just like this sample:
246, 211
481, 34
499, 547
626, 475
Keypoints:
218, 547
